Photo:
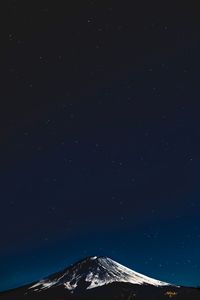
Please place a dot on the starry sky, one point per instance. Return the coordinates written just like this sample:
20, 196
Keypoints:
100, 137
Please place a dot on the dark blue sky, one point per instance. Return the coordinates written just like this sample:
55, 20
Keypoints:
100, 139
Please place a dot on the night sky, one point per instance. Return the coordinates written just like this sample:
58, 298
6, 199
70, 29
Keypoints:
100, 137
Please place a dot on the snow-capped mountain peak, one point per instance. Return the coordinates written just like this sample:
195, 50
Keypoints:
94, 272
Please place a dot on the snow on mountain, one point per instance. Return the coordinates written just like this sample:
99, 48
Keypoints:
94, 272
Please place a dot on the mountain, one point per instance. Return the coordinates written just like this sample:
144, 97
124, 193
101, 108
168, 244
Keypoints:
94, 272
100, 278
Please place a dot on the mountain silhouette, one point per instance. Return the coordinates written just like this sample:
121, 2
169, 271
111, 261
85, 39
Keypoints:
100, 278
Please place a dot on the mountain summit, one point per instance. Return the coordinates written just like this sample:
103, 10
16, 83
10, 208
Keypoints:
93, 272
